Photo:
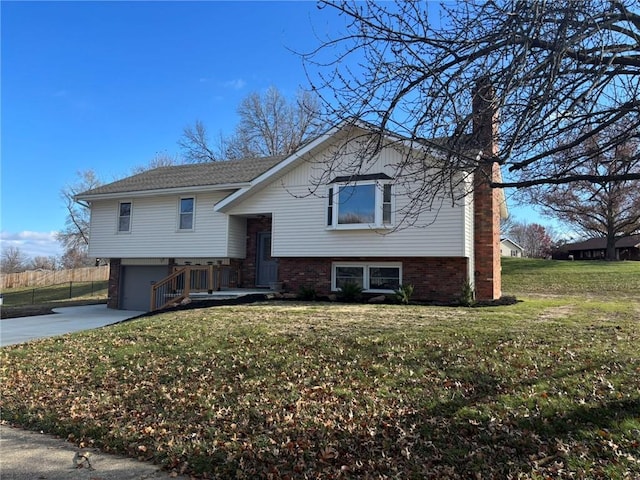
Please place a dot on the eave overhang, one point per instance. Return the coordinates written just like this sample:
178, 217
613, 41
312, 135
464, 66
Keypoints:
161, 191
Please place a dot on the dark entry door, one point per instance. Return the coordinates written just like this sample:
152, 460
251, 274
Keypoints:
266, 265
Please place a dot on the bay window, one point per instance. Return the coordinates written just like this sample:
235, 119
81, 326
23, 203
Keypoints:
360, 204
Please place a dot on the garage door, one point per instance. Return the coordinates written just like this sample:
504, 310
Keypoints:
136, 286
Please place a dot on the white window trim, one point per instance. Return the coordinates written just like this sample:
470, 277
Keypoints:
124, 232
193, 214
334, 190
366, 266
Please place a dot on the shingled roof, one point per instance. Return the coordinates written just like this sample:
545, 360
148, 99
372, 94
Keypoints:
601, 243
189, 175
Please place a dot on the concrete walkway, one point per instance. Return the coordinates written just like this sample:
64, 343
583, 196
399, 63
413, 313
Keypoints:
28, 455
64, 320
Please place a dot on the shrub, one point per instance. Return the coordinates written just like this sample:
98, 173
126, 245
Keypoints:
467, 295
350, 292
307, 293
403, 294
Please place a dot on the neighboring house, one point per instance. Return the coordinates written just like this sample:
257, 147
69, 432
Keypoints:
627, 248
509, 248
251, 223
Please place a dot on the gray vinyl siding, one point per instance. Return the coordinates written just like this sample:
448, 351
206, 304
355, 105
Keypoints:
237, 243
299, 222
297, 204
154, 229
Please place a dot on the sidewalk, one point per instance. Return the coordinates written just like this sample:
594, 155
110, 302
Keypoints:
26, 455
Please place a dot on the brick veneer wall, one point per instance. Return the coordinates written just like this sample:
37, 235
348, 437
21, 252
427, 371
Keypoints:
254, 226
486, 200
487, 236
434, 279
113, 289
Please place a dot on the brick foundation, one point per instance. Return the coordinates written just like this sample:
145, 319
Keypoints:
113, 299
433, 279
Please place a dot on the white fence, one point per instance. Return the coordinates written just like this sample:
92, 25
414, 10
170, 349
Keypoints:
42, 278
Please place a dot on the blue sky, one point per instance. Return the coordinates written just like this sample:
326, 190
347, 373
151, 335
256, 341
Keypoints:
108, 85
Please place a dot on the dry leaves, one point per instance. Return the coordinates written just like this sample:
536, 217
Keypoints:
333, 391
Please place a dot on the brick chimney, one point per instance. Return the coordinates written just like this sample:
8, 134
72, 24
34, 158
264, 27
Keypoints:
486, 200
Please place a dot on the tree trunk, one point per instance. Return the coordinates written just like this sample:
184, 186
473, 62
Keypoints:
611, 247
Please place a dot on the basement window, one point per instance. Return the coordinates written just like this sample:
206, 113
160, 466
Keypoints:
383, 277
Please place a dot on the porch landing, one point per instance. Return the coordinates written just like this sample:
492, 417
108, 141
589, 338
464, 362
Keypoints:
230, 293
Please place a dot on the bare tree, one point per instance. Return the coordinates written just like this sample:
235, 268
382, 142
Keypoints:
506, 224
160, 159
41, 262
598, 209
555, 67
195, 144
13, 260
534, 238
76, 257
269, 125
75, 235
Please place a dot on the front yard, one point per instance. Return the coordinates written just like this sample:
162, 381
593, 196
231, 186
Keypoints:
546, 388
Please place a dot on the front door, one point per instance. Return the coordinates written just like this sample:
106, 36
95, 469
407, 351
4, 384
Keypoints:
266, 265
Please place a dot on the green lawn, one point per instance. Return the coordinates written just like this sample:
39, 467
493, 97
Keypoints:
546, 388
20, 302
606, 280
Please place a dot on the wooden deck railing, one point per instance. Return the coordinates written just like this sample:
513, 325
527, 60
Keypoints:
175, 288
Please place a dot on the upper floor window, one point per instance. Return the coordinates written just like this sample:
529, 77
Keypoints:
124, 217
364, 203
187, 209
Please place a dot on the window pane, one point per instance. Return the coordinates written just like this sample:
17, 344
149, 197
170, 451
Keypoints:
386, 197
124, 217
125, 209
186, 214
186, 205
386, 213
330, 208
123, 224
186, 222
349, 275
384, 278
356, 204
386, 204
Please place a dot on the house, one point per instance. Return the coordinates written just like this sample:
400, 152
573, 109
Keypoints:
509, 248
627, 248
270, 222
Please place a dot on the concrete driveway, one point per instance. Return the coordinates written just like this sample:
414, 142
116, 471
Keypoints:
31, 456
64, 320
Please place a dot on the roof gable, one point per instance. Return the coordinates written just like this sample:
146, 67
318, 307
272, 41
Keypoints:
506, 240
